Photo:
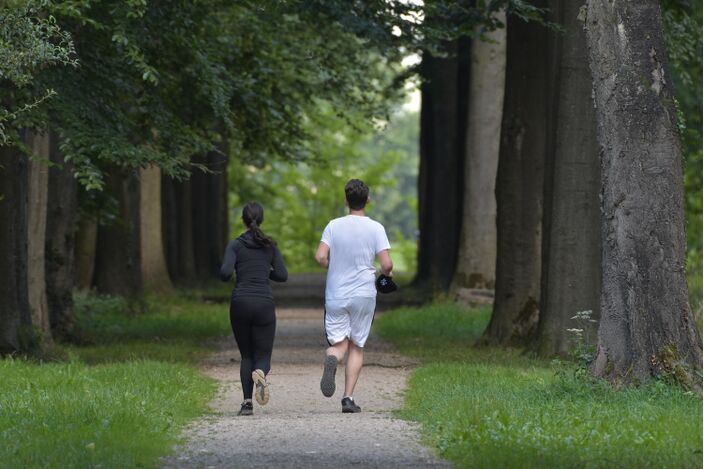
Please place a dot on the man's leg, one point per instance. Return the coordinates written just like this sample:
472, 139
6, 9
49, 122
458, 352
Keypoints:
361, 317
353, 368
337, 330
338, 350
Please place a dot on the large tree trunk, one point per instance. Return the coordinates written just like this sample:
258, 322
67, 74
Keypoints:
117, 260
646, 326
571, 267
220, 235
519, 185
15, 318
199, 214
476, 260
154, 273
36, 233
86, 241
440, 175
60, 242
177, 227
209, 211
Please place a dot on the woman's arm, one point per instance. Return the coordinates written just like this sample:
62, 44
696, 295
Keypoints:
228, 261
278, 271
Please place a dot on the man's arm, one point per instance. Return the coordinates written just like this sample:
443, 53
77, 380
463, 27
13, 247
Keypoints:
322, 255
385, 260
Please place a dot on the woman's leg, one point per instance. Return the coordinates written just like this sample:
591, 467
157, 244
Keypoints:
263, 332
242, 329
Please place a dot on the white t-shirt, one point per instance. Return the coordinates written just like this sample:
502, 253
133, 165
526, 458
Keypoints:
354, 241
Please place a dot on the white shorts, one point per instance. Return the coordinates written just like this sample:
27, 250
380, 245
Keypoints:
349, 319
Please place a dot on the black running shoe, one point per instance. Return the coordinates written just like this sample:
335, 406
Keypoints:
349, 407
246, 409
327, 382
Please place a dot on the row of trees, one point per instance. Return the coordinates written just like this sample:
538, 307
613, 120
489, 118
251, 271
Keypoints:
140, 106
581, 146
130, 112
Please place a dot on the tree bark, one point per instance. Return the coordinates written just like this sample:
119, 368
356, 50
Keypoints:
37, 194
177, 229
209, 212
15, 318
153, 264
199, 212
646, 326
220, 210
60, 243
571, 269
117, 260
86, 243
440, 174
476, 261
519, 185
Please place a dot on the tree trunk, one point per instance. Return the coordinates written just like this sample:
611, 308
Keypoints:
154, 272
646, 326
177, 229
571, 267
476, 262
209, 211
86, 239
199, 213
519, 185
15, 318
60, 243
219, 208
440, 175
37, 200
117, 260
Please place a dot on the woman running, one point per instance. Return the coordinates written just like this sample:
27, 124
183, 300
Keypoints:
255, 259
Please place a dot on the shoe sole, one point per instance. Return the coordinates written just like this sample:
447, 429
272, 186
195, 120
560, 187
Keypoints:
327, 382
261, 393
351, 411
245, 412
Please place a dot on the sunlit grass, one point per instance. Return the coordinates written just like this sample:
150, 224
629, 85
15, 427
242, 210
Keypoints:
122, 415
121, 399
497, 408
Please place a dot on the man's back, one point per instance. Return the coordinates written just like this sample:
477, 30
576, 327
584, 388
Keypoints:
354, 241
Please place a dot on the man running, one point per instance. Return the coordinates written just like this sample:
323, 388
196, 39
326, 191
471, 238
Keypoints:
347, 249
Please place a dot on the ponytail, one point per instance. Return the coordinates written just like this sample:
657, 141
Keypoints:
253, 216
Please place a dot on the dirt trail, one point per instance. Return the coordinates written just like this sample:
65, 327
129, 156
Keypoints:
299, 428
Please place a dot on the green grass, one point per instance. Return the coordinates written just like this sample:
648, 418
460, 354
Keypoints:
496, 408
120, 400
172, 329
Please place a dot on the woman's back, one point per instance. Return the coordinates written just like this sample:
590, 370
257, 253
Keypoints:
255, 264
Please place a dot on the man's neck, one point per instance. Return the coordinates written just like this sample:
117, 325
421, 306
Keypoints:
359, 213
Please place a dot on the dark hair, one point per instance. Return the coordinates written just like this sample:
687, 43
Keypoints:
253, 217
357, 194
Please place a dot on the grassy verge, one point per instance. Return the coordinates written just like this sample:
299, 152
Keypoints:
120, 400
497, 408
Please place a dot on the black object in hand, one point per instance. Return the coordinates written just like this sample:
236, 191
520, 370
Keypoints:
385, 284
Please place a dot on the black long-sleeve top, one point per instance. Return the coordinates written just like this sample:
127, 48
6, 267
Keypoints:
254, 266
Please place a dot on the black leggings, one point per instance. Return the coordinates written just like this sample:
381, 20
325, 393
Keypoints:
253, 322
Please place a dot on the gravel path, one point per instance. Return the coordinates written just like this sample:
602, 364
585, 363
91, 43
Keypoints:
299, 428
